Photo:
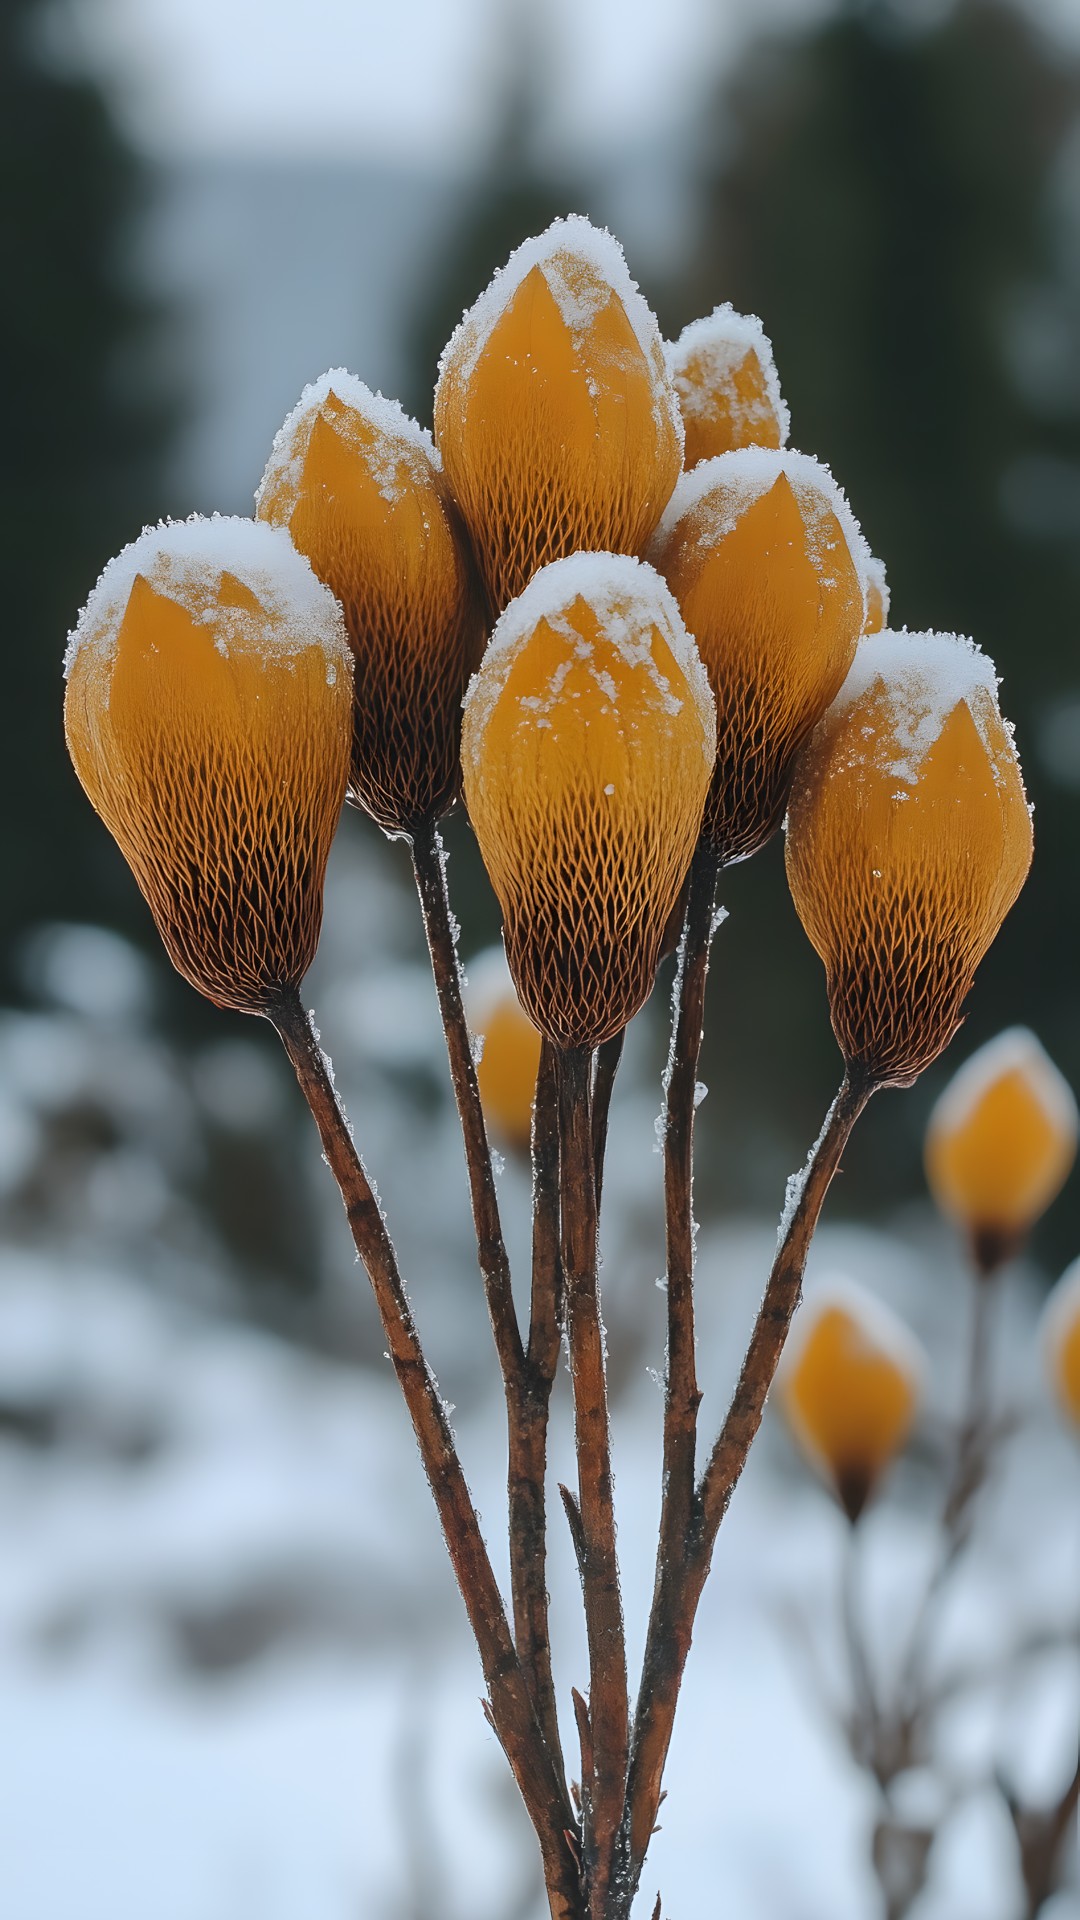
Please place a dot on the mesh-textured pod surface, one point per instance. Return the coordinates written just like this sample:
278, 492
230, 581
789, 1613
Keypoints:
587, 750
724, 373
556, 420
360, 489
1001, 1139
850, 1386
208, 716
909, 838
766, 563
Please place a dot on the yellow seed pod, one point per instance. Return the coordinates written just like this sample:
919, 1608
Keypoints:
877, 596
587, 750
1061, 1341
510, 1057
208, 714
554, 414
359, 487
909, 838
1001, 1142
766, 562
725, 376
849, 1386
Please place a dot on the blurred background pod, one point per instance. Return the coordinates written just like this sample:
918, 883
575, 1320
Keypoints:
849, 1387
768, 566
509, 1056
587, 750
1000, 1144
359, 487
208, 715
1061, 1342
724, 374
908, 840
554, 414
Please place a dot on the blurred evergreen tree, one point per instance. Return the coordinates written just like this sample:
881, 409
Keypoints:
882, 194
85, 429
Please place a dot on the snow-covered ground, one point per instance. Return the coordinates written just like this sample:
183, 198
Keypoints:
235, 1678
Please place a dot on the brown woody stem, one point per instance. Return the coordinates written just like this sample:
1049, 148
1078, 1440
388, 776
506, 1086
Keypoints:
608, 1057
682, 1578
603, 1793
510, 1706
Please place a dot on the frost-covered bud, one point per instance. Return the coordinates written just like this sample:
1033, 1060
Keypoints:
587, 751
208, 714
877, 596
850, 1384
725, 377
766, 562
554, 414
909, 838
359, 487
1000, 1143
510, 1057
1061, 1341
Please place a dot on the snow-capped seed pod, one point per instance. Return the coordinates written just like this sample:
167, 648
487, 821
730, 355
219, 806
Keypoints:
849, 1385
1000, 1143
360, 489
725, 376
510, 1058
554, 414
208, 714
877, 596
1061, 1341
908, 840
767, 564
587, 750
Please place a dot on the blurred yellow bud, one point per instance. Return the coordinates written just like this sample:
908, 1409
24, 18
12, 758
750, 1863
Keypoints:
554, 414
850, 1384
1000, 1143
725, 376
766, 562
208, 715
877, 596
359, 487
1061, 1341
587, 750
508, 1064
909, 838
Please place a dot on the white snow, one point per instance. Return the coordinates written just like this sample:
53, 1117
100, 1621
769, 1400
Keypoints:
719, 343
1016, 1051
716, 493
407, 453
876, 577
926, 676
185, 560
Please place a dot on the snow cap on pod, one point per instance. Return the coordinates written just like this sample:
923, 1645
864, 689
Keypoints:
587, 750
849, 1385
1061, 1342
768, 566
877, 596
510, 1058
554, 414
724, 374
909, 838
208, 717
1000, 1144
359, 487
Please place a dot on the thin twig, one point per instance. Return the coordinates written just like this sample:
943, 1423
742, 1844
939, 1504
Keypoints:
608, 1700
865, 1714
510, 1705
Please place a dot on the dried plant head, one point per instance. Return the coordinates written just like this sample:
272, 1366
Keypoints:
587, 750
1000, 1143
909, 838
1061, 1342
554, 414
729, 396
877, 596
208, 714
509, 1059
360, 489
849, 1385
767, 564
